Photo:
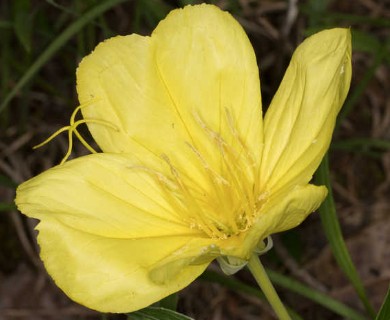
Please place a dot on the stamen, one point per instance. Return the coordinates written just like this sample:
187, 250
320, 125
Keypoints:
196, 214
161, 177
218, 178
215, 136
238, 166
221, 187
237, 137
173, 192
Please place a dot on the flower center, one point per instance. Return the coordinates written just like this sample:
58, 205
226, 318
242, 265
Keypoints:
225, 197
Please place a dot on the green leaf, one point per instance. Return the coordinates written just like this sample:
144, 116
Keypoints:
58, 6
7, 206
315, 10
356, 144
169, 302
384, 312
365, 42
186, 2
337, 17
155, 313
153, 11
22, 22
5, 24
60, 41
7, 182
334, 235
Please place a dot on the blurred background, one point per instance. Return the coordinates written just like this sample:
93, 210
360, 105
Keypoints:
41, 44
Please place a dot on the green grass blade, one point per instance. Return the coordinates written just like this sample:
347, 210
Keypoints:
336, 17
365, 42
60, 7
186, 2
314, 295
356, 144
384, 312
289, 284
22, 22
7, 206
7, 182
315, 10
57, 44
5, 24
5, 72
333, 232
236, 285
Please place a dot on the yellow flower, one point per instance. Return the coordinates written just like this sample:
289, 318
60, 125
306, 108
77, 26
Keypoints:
190, 171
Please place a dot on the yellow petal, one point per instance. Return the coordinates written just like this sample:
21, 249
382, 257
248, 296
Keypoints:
172, 93
283, 212
208, 66
112, 275
118, 83
299, 123
109, 235
106, 195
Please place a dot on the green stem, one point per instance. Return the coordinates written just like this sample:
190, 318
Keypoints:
258, 272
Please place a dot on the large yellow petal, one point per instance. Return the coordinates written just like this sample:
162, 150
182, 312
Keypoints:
208, 67
113, 275
104, 194
118, 83
180, 92
299, 123
109, 233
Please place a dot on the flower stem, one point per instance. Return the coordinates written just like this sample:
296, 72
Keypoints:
258, 272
